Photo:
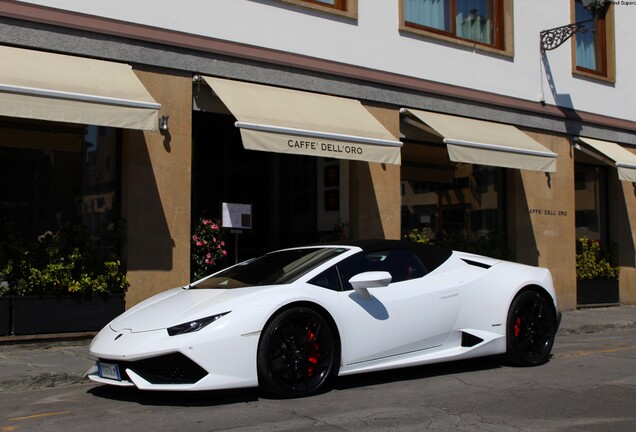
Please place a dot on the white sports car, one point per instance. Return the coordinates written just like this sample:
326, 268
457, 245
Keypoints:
290, 320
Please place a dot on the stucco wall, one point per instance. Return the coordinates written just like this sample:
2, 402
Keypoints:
623, 218
542, 220
156, 177
374, 192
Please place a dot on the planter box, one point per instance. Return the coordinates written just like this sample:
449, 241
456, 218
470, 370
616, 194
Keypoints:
5, 316
597, 292
52, 314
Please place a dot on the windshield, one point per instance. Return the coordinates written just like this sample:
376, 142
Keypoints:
280, 267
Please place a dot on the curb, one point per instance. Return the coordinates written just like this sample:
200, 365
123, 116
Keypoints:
596, 328
48, 337
46, 380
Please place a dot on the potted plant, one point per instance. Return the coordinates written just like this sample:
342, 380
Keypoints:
596, 274
208, 247
60, 283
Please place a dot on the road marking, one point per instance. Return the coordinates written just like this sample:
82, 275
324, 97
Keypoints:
601, 351
35, 416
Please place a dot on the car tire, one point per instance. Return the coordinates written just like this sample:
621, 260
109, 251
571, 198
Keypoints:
530, 330
297, 353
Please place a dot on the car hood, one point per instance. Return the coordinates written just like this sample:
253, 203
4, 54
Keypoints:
178, 306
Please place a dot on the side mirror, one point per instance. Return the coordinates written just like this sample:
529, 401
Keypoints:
371, 279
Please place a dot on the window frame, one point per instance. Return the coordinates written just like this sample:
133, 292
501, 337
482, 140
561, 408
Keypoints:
346, 8
503, 34
606, 40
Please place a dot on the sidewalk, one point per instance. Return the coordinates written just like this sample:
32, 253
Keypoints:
31, 364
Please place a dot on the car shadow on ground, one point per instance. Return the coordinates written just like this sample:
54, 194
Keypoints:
174, 398
417, 372
228, 397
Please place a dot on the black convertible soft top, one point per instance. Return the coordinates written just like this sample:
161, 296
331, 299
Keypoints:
431, 256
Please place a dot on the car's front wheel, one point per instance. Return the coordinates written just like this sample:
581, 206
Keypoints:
530, 331
297, 353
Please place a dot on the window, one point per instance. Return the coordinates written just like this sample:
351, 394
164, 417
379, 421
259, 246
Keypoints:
347, 8
474, 22
336, 4
55, 176
593, 49
280, 267
465, 212
590, 197
403, 265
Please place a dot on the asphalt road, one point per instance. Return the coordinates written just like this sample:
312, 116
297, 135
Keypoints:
589, 385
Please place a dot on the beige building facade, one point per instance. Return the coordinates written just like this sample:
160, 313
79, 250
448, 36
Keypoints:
168, 178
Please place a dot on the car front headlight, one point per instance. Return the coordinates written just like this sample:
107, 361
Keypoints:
194, 326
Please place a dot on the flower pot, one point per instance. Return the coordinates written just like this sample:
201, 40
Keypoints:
5, 316
597, 292
53, 314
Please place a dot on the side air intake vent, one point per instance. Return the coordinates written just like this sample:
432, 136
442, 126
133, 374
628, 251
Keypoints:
469, 340
476, 263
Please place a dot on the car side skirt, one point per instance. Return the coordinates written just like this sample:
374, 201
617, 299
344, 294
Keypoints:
492, 344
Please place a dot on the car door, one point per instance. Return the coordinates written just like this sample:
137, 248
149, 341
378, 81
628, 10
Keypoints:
413, 313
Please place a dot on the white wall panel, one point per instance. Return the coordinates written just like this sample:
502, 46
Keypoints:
373, 41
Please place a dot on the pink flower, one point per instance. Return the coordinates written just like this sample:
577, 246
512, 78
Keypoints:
199, 243
195, 238
222, 243
206, 221
224, 253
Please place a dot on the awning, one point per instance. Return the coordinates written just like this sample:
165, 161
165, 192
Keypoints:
297, 122
613, 154
47, 86
486, 143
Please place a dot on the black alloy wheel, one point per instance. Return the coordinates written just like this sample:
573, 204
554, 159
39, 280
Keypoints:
297, 353
530, 331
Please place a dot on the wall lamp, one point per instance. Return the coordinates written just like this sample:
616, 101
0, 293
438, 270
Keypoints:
554, 38
163, 123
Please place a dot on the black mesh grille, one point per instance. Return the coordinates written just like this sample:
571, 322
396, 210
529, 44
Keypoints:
166, 369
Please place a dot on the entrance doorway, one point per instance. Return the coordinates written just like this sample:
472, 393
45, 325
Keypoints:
282, 189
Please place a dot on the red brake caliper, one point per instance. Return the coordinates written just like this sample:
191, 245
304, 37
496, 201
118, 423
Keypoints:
517, 326
314, 355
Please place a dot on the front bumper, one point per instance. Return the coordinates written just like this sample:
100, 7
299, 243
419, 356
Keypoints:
153, 360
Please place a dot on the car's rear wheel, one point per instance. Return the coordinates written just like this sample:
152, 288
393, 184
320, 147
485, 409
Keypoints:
297, 353
530, 331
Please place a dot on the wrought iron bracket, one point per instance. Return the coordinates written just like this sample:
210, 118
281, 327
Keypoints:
554, 38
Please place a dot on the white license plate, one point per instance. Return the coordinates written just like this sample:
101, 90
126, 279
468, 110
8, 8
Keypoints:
108, 370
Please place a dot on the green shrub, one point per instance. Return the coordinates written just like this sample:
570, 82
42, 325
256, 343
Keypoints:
593, 261
60, 264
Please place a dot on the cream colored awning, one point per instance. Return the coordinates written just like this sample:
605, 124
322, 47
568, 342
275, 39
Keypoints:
620, 157
297, 122
47, 86
486, 143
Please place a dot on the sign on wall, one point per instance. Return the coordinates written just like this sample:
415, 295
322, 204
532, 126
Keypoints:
236, 216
